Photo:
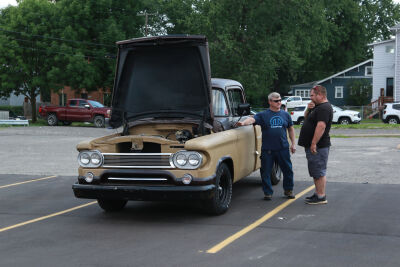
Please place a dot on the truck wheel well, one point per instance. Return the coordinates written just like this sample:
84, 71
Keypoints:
229, 163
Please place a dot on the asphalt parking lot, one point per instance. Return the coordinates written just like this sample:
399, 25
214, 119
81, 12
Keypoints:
42, 224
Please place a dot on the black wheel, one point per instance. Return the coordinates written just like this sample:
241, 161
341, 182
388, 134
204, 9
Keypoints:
52, 119
344, 121
393, 120
111, 205
99, 121
221, 199
66, 123
276, 174
300, 121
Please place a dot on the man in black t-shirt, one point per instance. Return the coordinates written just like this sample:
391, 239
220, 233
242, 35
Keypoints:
314, 137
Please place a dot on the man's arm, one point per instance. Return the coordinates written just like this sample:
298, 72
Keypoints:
292, 139
310, 106
319, 131
248, 121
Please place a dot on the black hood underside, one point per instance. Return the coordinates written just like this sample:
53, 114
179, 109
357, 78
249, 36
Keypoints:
162, 77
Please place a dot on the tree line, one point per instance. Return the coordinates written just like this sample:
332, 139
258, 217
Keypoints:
267, 45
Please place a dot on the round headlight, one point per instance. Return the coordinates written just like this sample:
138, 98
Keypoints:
194, 159
95, 158
84, 158
181, 159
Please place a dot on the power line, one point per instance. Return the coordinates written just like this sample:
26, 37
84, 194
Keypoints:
58, 39
107, 57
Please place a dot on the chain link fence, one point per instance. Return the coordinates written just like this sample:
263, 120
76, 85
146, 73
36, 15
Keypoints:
367, 113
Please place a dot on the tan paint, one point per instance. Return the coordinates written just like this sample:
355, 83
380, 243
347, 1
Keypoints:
242, 145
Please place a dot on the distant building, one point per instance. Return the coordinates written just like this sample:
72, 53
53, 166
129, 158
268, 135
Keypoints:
337, 85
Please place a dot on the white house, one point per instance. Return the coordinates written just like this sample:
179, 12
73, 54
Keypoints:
386, 69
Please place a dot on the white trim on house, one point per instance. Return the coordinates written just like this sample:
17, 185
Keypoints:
381, 42
346, 70
338, 91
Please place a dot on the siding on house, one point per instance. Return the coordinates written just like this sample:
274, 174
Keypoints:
396, 89
341, 79
384, 67
14, 100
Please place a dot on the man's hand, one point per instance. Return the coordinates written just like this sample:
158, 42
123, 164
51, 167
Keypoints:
293, 149
240, 123
311, 105
313, 148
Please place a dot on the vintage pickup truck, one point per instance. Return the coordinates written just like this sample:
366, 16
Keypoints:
179, 138
77, 109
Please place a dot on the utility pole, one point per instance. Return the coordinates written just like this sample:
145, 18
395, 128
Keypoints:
146, 15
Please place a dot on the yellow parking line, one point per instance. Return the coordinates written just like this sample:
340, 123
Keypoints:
30, 181
46, 217
250, 227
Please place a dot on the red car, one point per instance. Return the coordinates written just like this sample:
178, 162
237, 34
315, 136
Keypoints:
81, 110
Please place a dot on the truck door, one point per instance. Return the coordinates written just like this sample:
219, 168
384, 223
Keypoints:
246, 141
257, 152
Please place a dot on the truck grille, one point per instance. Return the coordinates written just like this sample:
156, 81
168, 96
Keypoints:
137, 160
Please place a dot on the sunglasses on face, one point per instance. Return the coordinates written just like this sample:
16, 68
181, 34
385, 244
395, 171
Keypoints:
277, 100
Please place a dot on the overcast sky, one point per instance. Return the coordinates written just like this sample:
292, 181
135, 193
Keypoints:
4, 3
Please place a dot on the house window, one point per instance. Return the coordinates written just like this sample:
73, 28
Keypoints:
389, 49
368, 71
303, 93
62, 99
389, 86
338, 91
107, 99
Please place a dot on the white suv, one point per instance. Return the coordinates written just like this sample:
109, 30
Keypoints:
339, 115
391, 113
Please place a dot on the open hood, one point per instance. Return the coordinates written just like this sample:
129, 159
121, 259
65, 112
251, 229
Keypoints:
162, 77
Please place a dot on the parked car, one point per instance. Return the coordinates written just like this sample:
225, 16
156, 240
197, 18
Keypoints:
340, 115
297, 114
76, 110
391, 113
179, 139
294, 101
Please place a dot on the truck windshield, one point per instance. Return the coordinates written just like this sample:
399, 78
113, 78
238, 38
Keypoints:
95, 104
285, 97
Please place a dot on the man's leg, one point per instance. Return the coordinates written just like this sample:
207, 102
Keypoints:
284, 162
320, 185
266, 167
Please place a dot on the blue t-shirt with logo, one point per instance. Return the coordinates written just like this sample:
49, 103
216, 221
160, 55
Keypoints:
274, 128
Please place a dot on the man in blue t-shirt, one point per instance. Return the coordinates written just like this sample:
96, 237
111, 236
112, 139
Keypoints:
274, 123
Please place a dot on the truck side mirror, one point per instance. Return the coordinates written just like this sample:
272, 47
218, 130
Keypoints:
87, 106
288, 100
244, 109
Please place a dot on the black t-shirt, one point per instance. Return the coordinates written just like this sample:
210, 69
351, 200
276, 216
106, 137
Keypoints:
322, 112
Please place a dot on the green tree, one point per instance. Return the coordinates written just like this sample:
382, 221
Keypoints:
360, 92
89, 30
23, 52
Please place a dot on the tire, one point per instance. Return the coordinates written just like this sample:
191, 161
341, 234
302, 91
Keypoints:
276, 174
99, 121
393, 120
344, 121
300, 121
66, 123
52, 120
112, 205
222, 196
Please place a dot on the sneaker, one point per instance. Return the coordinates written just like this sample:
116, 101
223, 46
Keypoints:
289, 194
310, 197
315, 200
267, 197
